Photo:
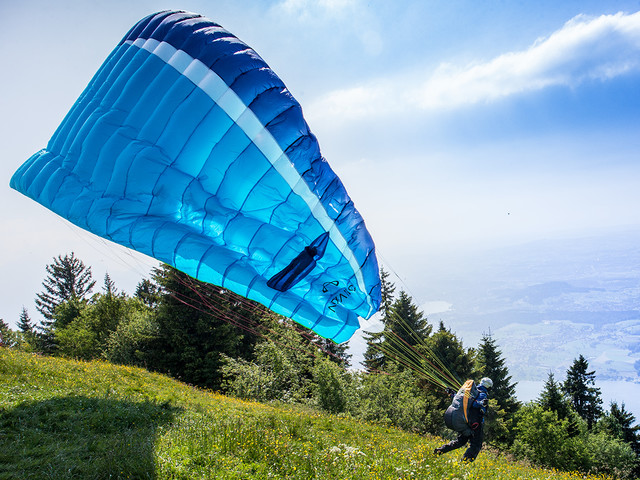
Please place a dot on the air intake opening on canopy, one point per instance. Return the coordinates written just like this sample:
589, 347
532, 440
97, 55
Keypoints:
300, 266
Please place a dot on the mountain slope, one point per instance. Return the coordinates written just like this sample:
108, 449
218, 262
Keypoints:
64, 419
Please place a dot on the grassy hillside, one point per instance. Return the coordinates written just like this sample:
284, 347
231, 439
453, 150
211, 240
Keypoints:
62, 419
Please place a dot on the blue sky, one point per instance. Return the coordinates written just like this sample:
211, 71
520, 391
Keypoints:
455, 125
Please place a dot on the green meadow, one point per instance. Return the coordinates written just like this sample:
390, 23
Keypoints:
65, 419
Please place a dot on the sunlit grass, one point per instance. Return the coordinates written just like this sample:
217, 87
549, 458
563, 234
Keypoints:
62, 419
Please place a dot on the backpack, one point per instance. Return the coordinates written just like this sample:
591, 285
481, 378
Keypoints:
459, 416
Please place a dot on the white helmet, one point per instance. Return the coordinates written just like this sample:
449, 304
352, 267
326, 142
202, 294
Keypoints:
486, 382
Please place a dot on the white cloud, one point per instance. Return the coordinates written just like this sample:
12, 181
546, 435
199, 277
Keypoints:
584, 48
435, 306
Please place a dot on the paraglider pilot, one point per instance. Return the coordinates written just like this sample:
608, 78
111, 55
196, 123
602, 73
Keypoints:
473, 431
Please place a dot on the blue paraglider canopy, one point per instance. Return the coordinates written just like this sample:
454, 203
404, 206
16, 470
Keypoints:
187, 147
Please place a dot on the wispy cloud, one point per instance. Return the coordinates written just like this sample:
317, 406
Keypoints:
312, 8
347, 15
584, 48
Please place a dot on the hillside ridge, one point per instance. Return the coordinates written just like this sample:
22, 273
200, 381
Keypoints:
68, 419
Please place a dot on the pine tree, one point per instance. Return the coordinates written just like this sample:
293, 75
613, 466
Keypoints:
583, 395
407, 322
503, 404
406, 328
552, 399
387, 289
148, 292
444, 355
24, 322
373, 357
198, 323
67, 278
6, 337
108, 310
109, 286
620, 423
630, 430
68, 281
446, 351
27, 329
491, 364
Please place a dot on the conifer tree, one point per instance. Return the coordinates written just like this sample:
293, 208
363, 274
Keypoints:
198, 323
67, 278
450, 353
583, 395
24, 322
68, 282
6, 339
26, 327
620, 423
406, 321
108, 310
445, 351
109, 286
503, 404
405, 328
444, 355
630, 430
373, 357
387, 289
148, 293
491, 364
552, 399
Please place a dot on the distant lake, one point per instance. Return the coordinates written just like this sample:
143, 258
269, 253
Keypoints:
618, 391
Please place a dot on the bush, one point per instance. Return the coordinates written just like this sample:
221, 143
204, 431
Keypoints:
395, 399
247, 380
550, 442
331, 386
276, 374
129, 343
540, 436
611, 456
78, 340
114, 327
546, 440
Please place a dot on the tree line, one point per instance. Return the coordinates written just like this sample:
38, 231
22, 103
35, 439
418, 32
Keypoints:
212, 338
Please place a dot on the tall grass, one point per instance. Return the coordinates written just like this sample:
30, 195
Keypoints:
62, 419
